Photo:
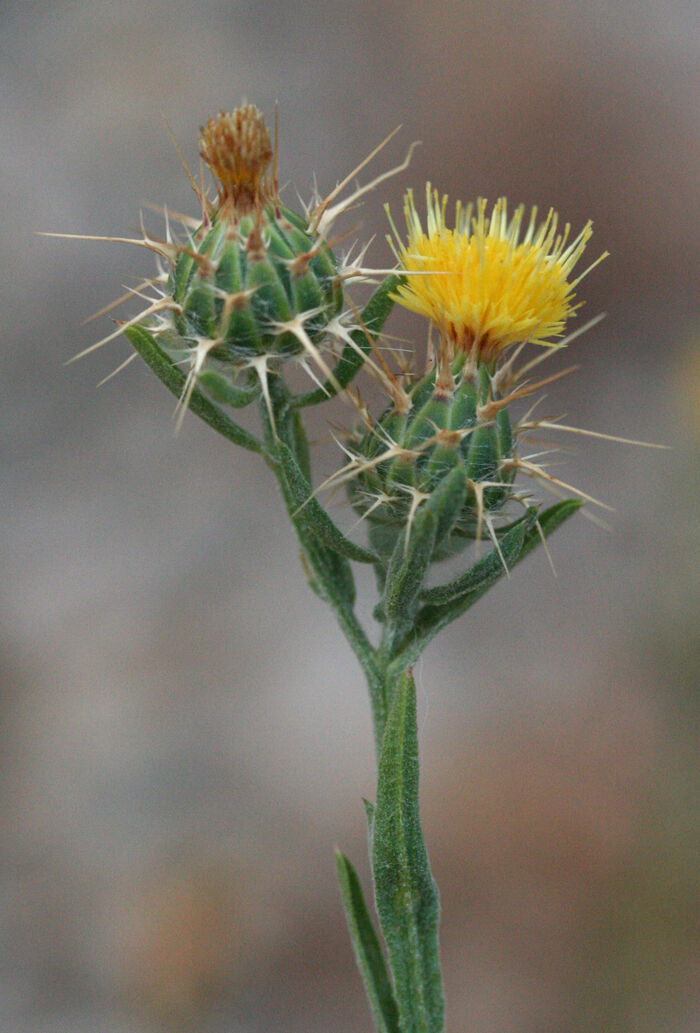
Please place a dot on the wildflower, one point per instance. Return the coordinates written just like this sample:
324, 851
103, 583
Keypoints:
483, 287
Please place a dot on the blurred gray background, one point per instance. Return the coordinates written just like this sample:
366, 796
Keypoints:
185, 735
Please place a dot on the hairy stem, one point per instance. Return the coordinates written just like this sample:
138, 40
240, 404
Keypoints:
327, 571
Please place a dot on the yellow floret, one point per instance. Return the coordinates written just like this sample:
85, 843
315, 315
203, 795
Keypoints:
482, 286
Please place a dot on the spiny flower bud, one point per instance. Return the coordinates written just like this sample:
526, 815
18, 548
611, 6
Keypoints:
452, 452
253, 285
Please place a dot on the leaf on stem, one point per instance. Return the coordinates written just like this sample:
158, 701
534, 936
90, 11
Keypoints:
368, 951
174, 380
407, 569
447, 602
488, 569
312, 514
405, 891
338, 586
549, 521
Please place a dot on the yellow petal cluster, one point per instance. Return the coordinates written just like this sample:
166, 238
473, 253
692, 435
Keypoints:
483, 286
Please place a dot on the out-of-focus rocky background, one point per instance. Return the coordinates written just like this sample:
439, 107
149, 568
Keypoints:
184, 734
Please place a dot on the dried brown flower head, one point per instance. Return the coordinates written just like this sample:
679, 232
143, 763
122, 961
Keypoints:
236, 147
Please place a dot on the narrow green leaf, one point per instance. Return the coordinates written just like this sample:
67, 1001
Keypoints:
332, 578
405, 891
432, 617
339, 576
549, 521
407, 568
447, 500
314, 516
174, 379
368, 952
373, 317
488, 569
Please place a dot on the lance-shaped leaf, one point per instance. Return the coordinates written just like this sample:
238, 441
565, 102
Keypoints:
405, 891
174, 379
488, 569
515, 546
407, 569
368, 951
447, 500
547, 522
329, 574
313, 515
372, 319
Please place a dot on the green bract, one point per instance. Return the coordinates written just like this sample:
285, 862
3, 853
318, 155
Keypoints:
249, 289
246, 276
447, 453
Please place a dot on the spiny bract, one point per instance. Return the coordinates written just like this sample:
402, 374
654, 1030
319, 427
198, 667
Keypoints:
451, 452
247, 279
254, 284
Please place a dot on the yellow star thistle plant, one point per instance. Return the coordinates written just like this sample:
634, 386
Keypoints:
483, 286
249, 288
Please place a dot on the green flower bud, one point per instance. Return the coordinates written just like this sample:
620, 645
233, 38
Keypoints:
449, 451
253, 285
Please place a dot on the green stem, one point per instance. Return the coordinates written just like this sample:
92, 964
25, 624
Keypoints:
405, 893
405, 987
322, 563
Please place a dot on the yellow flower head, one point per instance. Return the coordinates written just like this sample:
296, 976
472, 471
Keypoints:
483, 287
